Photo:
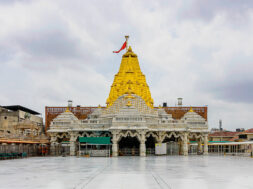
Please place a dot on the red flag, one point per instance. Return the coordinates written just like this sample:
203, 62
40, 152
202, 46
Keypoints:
123, 47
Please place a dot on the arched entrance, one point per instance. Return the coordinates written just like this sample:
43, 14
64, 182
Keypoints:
62, 145
150, 145
129, 146
173, 145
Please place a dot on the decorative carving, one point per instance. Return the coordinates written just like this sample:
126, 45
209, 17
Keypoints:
153, 134
129, 133
196, 136
170, 135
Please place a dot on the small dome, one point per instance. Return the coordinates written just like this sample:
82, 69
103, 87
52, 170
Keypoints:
65, 116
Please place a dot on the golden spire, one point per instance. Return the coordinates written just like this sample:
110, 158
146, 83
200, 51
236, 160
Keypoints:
129, 94
67, 110
99, 106
191, 110
130, 80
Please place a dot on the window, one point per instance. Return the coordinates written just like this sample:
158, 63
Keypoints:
243, 136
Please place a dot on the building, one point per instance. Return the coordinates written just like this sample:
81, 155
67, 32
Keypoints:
129, 118
21, 130
15, 120
222, 136
246, 135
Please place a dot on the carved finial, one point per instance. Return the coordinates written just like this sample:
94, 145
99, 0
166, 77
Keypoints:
191, 110
129, 49
127, 37
129, 103
67, 110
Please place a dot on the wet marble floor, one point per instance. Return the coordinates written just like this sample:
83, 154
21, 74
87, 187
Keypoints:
175, 172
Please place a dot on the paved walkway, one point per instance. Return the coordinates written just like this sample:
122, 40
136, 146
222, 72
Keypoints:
176, 172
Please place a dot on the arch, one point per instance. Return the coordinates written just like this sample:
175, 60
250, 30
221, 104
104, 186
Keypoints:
62, 135
86, 134
106, 134
153, 134
129, 143
170, 135
129, 133
196, 135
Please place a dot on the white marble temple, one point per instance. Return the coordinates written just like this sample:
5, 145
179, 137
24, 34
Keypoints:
176, 172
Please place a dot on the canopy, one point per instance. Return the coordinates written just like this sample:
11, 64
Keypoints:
95, 140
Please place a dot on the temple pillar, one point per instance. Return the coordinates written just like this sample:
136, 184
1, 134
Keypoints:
142, 143
115, 150
206, 144
53, 140
72, 143
142, 149
185, 144
200, 146
160, 137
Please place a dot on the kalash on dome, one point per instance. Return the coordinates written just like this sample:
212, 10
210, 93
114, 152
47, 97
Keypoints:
129, 124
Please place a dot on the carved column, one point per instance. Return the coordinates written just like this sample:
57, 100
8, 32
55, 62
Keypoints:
115, 137
185, 144
206, 144
142, 143
160, 137
53, 140
72, 141
200, 145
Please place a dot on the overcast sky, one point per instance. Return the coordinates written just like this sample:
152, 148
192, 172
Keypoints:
200, 50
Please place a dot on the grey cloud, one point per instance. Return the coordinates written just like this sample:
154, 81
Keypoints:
50, 44
234, 84
238, 92
7, 2
207, 9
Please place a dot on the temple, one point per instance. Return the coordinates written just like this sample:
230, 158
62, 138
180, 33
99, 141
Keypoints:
129, 119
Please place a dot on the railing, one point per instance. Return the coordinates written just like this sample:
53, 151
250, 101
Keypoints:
95, 153
129, 152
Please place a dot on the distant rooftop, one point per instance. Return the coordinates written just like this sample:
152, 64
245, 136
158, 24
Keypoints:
223, 134
18, 107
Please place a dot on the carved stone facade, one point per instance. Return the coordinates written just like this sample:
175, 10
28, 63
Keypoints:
132, 118
130, 114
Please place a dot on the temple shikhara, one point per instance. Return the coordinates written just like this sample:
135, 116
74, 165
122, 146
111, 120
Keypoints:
129, 124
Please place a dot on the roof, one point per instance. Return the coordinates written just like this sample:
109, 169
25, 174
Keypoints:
22, 141
232, 143
247, 131
223, 134
234, 138
18, 107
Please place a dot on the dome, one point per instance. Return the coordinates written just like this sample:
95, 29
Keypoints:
64, 120
194, 119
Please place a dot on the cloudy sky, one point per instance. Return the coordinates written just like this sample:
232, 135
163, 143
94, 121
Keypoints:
200, 50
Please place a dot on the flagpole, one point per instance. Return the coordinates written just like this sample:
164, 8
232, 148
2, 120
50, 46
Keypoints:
127, 36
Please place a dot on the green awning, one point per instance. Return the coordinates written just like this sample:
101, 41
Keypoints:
95, 140
219, 141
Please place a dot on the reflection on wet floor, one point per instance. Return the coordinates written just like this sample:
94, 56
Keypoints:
128, 172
